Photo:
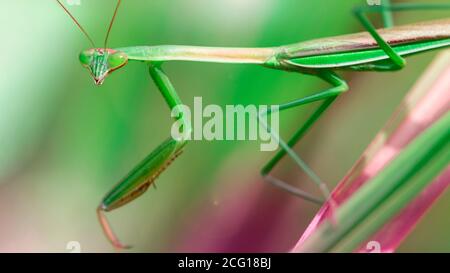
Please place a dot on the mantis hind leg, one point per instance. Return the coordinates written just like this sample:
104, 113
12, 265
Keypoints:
386, 14
145, 173
386, 10
327, 97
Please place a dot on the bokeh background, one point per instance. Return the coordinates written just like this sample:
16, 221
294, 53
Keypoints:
65, 142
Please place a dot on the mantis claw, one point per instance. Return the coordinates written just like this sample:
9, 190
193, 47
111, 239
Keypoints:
107, 230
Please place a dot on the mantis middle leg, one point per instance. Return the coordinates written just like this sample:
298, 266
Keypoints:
327, 97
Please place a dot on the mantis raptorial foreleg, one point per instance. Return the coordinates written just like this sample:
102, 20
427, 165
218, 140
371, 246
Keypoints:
144, 174
327, 96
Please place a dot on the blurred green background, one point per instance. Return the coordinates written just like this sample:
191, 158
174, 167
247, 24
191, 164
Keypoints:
66, 142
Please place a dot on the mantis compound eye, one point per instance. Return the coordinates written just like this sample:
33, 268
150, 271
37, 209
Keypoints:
117, 60
86, 57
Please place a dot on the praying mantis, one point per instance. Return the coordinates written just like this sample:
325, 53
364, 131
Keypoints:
374, 50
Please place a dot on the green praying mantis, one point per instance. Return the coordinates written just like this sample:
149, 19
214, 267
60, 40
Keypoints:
374, 50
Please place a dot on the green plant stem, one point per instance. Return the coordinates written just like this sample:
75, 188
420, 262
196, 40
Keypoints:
384, 196
393, 204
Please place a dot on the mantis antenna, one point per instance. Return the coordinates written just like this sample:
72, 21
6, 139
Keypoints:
112, 22
77, 23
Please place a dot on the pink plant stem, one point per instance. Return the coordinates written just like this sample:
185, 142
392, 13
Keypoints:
429, 99
393, 233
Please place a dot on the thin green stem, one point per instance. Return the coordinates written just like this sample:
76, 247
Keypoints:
397, 184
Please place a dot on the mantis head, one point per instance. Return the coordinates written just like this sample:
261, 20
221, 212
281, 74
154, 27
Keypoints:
101, 62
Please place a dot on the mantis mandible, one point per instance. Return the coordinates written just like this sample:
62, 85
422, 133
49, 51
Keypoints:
374, 50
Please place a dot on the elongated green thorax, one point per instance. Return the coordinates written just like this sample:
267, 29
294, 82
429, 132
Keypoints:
101, 62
